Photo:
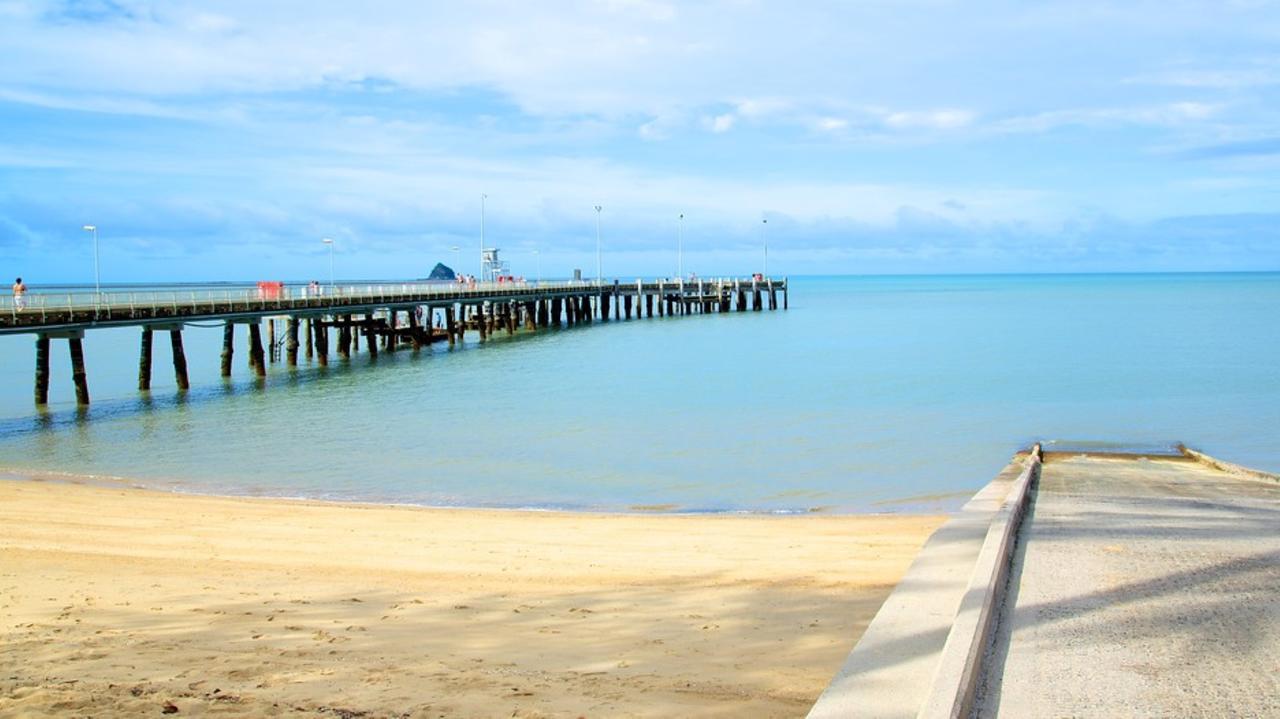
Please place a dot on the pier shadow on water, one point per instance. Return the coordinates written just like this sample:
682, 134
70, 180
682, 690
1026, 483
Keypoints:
307, 375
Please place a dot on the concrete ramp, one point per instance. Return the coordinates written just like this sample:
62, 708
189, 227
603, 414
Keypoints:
1137, 582
1140, 587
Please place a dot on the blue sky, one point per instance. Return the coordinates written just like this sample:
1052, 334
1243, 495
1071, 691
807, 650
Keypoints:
223, 140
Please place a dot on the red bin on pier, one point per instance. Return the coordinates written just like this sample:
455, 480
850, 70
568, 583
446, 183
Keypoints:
270, 290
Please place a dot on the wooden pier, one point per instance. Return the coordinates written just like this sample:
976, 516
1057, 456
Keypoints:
387, 316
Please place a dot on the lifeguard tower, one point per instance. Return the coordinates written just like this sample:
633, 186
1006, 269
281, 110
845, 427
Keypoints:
491, 267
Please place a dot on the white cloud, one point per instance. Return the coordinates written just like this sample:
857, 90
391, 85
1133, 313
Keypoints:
649, 9
115, 105
401, 113
625, 58
1194, 110
831, 124
211, 23
662, 126
529, 188
763, 106
652, 130
933, 120
723, 123
1172, 114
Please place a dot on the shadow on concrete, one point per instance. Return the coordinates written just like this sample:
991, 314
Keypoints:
1198, 624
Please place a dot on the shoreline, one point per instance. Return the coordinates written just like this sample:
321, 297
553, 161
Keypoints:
120, 600
927, 504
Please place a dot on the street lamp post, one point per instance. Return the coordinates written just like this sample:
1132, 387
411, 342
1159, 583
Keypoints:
97, 277
329, 242
537, 255
456, 267
599, 263
764, 234
680, 247
483, 197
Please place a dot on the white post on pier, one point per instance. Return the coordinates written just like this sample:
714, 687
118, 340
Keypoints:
680, 246
329, 241
599, 262
97, 276
764, 236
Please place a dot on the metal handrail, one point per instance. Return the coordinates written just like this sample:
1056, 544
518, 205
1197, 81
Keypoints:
293, 297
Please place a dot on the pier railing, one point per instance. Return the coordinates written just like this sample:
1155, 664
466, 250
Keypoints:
373, 309
38, 307
37, 301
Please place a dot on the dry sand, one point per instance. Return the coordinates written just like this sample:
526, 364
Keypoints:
118, 601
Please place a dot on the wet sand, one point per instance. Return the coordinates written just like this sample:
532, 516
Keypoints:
119, 601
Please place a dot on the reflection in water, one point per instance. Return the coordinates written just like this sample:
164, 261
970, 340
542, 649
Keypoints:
148, 421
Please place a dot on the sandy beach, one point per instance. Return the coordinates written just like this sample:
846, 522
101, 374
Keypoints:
122, 601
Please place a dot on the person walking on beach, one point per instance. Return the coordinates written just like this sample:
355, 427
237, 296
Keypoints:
19, 294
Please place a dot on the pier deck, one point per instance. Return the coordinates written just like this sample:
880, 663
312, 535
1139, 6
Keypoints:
62, 311
389, 314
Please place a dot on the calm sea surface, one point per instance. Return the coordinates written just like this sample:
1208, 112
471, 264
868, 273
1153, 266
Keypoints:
869, 391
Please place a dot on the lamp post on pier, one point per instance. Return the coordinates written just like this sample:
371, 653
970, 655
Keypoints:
599, 263
537, 256
483, 197
329, 241
97, 277
680, 247
764, 234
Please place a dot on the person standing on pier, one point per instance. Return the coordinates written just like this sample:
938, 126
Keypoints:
19, 294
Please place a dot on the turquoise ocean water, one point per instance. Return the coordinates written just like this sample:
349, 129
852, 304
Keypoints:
868, 391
